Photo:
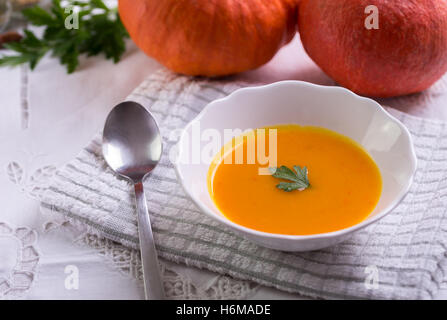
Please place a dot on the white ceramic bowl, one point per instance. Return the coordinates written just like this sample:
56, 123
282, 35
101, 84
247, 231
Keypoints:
286, 102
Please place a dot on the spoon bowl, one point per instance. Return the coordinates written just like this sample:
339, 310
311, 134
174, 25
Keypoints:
131, 141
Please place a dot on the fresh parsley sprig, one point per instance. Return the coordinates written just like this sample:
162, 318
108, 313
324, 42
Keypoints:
100, 31
299, 178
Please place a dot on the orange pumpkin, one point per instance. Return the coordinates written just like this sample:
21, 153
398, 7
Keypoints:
406, 54
210, 37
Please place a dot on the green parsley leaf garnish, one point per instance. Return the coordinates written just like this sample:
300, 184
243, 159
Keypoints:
100, 31
299, 178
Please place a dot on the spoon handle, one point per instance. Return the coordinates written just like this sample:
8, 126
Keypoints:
153, 286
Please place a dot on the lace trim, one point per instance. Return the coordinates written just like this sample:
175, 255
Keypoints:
20, 278
33, 184
177, 286
16, 282
128, 262
24, 102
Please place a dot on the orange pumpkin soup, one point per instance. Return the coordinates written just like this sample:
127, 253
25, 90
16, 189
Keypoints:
345, 183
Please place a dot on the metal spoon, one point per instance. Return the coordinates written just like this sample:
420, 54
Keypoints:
132, 147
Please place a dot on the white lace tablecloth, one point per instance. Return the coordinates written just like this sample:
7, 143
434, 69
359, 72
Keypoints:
46, 118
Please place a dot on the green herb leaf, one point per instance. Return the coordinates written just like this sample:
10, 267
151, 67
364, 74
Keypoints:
31, 50
299, 178
100, 32
38, 16
98, 4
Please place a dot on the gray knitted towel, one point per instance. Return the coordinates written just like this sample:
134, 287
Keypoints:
401, 256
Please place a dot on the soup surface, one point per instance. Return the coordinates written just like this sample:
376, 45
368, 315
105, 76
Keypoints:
345, 183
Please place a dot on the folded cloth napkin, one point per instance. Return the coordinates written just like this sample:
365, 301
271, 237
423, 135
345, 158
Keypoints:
401, 256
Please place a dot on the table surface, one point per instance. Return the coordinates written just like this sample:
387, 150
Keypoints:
47, 117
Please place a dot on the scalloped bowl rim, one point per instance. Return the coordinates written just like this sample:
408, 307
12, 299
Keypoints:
267, 235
